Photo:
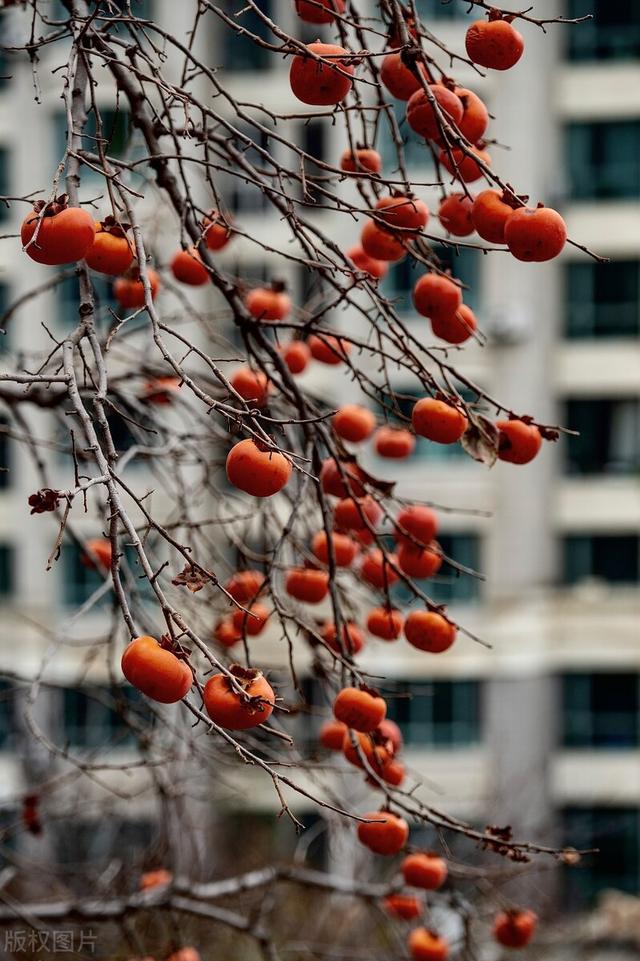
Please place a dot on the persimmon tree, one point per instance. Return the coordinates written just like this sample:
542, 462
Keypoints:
265, 509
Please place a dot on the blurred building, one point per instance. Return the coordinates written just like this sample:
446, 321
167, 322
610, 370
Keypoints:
543, 730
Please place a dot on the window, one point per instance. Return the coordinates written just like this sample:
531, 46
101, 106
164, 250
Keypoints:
116, 133
5, 331
270, 839
68, 301
609, 441
612, 558
603, 300
5, 455
7, 726
5, 178
615, 832
7, 561
312, 138
246, 196
601, 710
98, 842
613, 34
238, 52
604, 159
441, 9
402, 277
94, 716
449, 585
435, 713
79, 580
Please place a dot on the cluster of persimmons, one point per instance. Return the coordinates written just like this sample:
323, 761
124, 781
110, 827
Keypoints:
454, 120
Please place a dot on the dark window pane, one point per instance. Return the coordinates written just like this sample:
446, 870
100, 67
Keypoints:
245, 194
603, 159
5, 455
603, 300
609, 436
239, 52
441, 9
601, 710
7, 573
612, 558
5, 180
616, 834
115, 134
435, 713
5, 331
449, 585
98, 716
612, 34
7, 725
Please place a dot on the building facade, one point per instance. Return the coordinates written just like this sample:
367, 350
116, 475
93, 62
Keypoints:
543, 730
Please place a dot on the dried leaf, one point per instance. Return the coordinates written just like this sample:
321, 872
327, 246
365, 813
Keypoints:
192, 578
480, 440
44, 500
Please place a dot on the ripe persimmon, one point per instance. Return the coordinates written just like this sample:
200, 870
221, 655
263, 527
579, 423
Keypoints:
252, 621
60, 234
424, 870
403, 906
421, 115
464, 167
416, 524
490, 214
420, 562
383, 832
455, 215
245, 586
111, 251
376, 568
256, 470
318, 11
438, 420
328, 349
393, 772
129, 290
161, 390
381, 244
475, 118
352, 638
361, 160
399, 80
296, 356
332, 735
356, 745
268, 303
359, 709
217, 230
458, 328
518, 442
429, 631
345, 549
396, 443
185, 954
154, 879
515, 928
405, 212
354, 423
252, 385
436, 296
97, 552
321, 82
425, 945
239, 711
385, 622
368, 265
494, 43
188, 268
342, 480
226, 633
155, 670
307, 584
351, 514
390, 731
535, 234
